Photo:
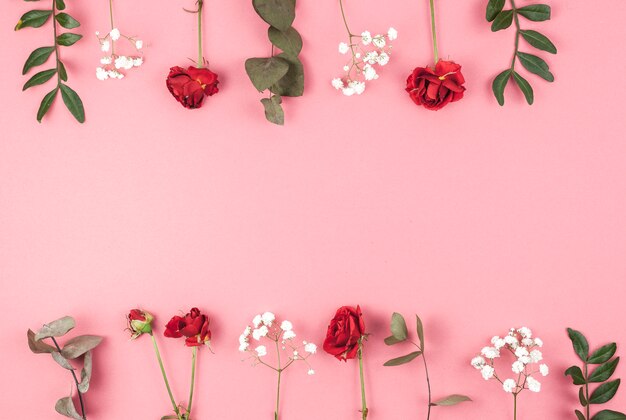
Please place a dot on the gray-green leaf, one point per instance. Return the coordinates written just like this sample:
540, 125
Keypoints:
420, 332
56, 328
65, 406
577, 375
289, 41
493, 8
273, 110
403, 359
85, 373
581, 346
398, 327
33, 19
535, 12
391, 340
38, 346
292, 83
538, 40
80, 345
278, 13
73, 103
502, 21
604, 392
535, 65
62, 361
453, 399
46, 102
67, 21
603, 354
604, 372
264, 72
499, 84
581, 396
609, 415
579, 415
37, 58
67, 39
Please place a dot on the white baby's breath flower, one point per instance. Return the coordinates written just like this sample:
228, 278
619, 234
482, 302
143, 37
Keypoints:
337, 83
383, 59
525, 332
137, 61
487, 372
392, 34
256, 321
511, 341
268, 318
533, 384
243, 347
286, 326
310, 348
544, 370
521, 352
311, 372
347, 91
288, 335
538, 342
478, 362
247, 331
527, 342
509, 385
366, 37
343, 48
359, 87
490, 352
101, 73
369, 72
138, 44
260, 332
105, 46
371, 57
346, 68
105, 60
379, 41
261, 351
536, 356
518, 367
115, 34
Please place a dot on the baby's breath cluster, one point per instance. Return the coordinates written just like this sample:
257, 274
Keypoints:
366, 52
525, 349
112, 63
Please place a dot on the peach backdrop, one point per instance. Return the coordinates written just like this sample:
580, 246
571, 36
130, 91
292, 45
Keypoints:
476, 217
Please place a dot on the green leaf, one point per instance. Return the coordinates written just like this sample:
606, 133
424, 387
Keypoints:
46, 102
62, 71
37, 58
538, 41
535, 12
420, 332
264, 72
273, 110
67, 39
67, 21
292, 83
62, 361
609, 415
603, 354
581, 346
288, 41
33, 19
73, 103
85, 373
57, 328
398, 327
535, 65
525, 87
604, 392
453, 399
39, 78
60, 4
499, 84
80, 345
65, 406
579, 415
391, 340
403, 359
604, 372
38, 346
502, 21
278, 13
581, 396
493, 8
577, 375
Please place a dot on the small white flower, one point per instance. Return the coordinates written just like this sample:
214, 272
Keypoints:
525, 332
97, 33
337, 83
261, 351
286, 326
383, 59
379, 41
311, 372
343, 48
511, 341
366, 37
527, 342
105, 60
490, 352
105, 46
243, 339
346, 68
268, 318
536, 356
139, 44
359, 87
533, 384
115, 34
310, 348
521, 352
525, 359
247, 331
101, 73
357, 55
509, 385
518, 367
371, 57
257, 321
348, 91
137, 61
288, 335
487, 372
260, 332
369, 72
544, 370
243, 347
478, 362
538, 342
392, 34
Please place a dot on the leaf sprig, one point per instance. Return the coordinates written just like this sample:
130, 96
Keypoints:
36, 19
601, 374
502, 19
400, 334
281, 74
75, 348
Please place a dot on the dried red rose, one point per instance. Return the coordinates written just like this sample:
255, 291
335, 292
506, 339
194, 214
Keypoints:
190, 86
436, 88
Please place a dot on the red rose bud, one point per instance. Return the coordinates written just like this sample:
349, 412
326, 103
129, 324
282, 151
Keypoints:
194, 326
190, 86
435, 89
139, 322
344, 333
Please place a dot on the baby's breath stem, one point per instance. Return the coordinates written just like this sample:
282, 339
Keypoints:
343, 15
514, 406
280, 371
363, 400
112, 25
200, 57
434, 30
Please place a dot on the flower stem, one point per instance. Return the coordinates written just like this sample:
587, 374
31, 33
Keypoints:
428, 383
517, 33
280, 371
434, 30
343, 15
112, 25
194, 356
514, 406
167, 383
200, 56
80, 395
56, 51
363, 400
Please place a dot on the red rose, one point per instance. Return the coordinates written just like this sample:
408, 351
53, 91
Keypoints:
344, 333
139, 322
190, 86
436, 88
194, 326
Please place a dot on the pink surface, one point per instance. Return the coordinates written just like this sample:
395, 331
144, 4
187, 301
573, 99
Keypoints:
476, 217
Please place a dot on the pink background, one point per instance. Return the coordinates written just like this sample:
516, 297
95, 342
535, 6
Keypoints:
476, 217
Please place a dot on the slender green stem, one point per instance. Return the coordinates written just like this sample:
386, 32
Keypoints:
427, 382
517, 34
515, 406
112, 25
200, 55
434, 30
80, 395
280, 371
587, 389
167, 383
56, 46
363, 400
194, 356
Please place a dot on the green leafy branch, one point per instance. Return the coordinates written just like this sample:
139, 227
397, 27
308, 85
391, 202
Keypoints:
281, 74
400, 334
75, 348
601, 374
502, 19
36, 19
